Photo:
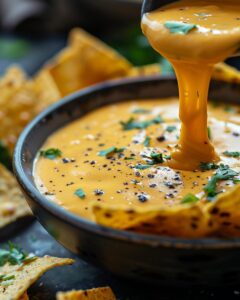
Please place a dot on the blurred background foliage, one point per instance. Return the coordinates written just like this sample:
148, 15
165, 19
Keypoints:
32, 31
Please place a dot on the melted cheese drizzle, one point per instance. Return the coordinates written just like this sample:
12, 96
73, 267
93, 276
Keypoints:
215, 36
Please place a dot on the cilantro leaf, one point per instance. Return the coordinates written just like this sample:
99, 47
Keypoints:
232, 153
5, 156
208, 166
6, 277
132, 124
51, 153
14, 256
142, 167
146, 142
134, 181
128, 158
156, 157
223, 173
171, 128
80, 193
167, 157
189, 198
179, 27
110, 151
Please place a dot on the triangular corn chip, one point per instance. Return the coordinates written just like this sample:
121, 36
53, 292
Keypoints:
226, 73
225, 212
13, 205
220, 217
26, 274
46, 90
17, 105
180, 221
85, 61
103, 293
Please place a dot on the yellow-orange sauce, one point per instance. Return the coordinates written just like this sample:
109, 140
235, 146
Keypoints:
194, 35
115, 179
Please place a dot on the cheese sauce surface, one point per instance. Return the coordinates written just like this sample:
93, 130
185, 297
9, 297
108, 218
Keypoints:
194, 35
130, 175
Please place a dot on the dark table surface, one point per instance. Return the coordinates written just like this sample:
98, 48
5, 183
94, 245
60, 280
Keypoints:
31, 54
82, 275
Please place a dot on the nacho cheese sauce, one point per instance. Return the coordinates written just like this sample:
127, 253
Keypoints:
194, 35
130, 176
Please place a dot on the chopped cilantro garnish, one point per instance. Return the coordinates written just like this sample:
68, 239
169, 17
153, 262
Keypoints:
179, 27
208, 166
134, 181
6, 277
80, 193
171, 128
110, 151
209, 133
14, 256
132, 124
189, 198
141, 111
51, 153
232, 153
5, 156
146, 142
223, 173
156, 157
128, 158
142, 167
167, 157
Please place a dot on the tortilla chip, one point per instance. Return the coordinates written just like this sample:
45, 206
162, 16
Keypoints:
85, 61
17, 105
25, 275
103, 293
224, 72
225, 212
24, 297
154, 69
220, 217
13, 205
181, 221
46, 90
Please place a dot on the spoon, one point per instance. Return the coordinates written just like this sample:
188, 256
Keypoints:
149, 5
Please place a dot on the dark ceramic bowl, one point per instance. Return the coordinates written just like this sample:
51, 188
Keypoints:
156, 259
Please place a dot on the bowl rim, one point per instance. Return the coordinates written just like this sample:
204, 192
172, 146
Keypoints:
59, 212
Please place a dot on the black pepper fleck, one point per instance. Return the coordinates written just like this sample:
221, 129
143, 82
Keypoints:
142, 198
98, 192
